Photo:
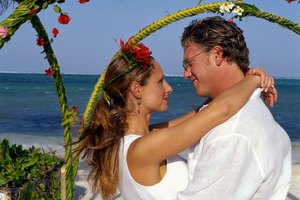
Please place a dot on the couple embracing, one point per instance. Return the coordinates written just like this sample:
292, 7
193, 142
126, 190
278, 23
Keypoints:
236, 149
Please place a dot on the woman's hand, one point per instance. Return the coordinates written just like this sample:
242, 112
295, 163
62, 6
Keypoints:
270, 94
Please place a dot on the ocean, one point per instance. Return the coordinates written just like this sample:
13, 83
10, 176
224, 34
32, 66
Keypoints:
30, 113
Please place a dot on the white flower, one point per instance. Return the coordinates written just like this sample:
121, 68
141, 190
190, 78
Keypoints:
238, 10
226, 8
231, 8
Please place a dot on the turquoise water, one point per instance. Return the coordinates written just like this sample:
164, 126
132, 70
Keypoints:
30, 113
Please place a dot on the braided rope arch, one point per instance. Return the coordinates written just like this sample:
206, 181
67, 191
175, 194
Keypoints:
22, 15
249, 10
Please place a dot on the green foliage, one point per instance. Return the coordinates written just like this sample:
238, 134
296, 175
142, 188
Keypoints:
57, 9
31, 170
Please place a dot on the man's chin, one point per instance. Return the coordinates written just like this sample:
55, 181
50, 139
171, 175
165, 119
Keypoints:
200, 94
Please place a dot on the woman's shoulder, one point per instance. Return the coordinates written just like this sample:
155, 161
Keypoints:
129, 136
127, 140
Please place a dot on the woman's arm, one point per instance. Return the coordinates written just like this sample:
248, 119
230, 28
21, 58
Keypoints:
178, 120
266, 83
161, 144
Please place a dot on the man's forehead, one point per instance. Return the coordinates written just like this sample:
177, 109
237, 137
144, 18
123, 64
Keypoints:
187, 44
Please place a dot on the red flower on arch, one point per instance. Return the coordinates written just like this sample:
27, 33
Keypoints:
55, 32
83, 1
33, 11
64, 19
231, 20
40, 41
74, 109
49, 72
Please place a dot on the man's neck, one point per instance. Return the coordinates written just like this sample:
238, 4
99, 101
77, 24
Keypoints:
227, 78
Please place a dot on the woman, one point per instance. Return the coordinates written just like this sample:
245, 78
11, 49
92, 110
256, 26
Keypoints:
118, 144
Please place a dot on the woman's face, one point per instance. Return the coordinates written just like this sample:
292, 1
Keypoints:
155, 92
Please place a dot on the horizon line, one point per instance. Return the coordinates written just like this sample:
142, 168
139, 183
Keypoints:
93, 74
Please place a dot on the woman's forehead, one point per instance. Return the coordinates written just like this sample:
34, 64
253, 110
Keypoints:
157, 68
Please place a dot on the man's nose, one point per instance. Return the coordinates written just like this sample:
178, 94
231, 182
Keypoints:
187, 73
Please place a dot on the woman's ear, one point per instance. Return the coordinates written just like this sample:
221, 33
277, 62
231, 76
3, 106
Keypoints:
135, 89
217, 53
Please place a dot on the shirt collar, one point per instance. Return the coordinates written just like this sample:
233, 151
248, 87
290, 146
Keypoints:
256, 93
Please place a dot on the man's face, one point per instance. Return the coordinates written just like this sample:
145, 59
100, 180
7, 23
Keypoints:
199, 69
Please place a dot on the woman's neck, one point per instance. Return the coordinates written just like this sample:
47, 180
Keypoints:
137, 124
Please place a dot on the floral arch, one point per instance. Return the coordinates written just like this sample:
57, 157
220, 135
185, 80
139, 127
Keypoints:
27, 10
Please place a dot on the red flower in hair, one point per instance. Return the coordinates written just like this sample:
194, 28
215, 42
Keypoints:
231, 20
55, 32
290, 1
64, 19
83, 1
49, 72
136, 52
40, 41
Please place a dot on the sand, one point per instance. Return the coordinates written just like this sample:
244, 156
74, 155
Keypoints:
83, 191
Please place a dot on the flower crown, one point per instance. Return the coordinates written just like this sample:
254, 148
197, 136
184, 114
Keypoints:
135, 54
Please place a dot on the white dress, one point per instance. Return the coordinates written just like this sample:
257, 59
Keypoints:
174, 180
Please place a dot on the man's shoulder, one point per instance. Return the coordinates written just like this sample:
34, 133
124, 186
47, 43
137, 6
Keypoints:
253, 121
255, 111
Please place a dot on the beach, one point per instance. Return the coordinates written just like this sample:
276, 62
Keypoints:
30, 114
295, 183
83, 190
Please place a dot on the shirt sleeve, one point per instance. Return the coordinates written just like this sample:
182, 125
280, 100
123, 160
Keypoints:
228, 168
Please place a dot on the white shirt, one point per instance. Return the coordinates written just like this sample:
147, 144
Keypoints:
174, 180
247, 157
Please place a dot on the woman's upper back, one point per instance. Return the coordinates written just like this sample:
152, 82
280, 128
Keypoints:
174, 180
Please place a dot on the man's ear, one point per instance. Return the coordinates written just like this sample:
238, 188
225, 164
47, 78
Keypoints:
217, 53
135, 89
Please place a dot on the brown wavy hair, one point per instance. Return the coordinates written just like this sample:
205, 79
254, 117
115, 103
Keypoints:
99, 142
212, 31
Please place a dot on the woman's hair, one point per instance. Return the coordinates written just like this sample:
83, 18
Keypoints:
212, 31
100, 140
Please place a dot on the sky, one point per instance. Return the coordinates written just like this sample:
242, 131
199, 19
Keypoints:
87, 43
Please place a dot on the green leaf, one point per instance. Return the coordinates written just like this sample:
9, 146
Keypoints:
42, 187
31, 162
4, 181
105, 97
57, 9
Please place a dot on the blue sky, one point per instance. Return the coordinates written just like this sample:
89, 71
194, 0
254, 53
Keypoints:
86, 45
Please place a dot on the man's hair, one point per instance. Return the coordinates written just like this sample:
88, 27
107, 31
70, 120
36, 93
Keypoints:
213, 31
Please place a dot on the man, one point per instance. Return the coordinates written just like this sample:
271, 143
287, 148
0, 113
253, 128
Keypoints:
249, 156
